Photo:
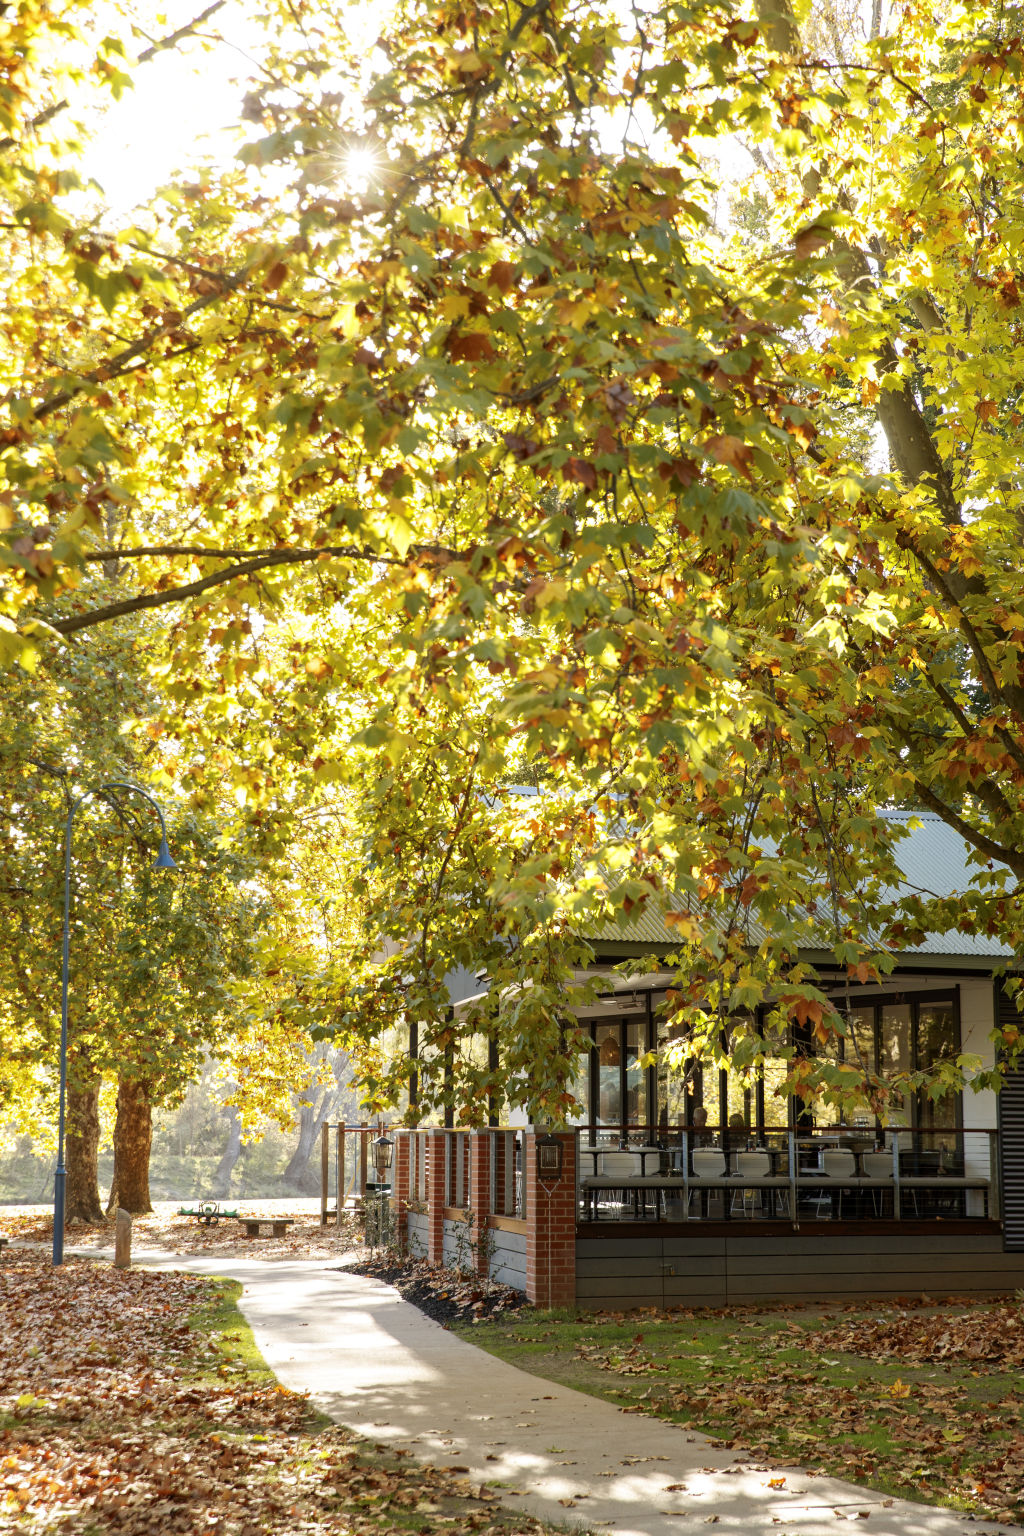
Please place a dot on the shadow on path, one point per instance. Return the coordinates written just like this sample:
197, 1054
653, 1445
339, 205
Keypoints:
377, 1364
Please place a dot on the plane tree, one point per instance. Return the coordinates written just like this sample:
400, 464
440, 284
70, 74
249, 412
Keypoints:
160, 964
501, 458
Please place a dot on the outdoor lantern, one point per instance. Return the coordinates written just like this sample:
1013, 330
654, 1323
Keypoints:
609, 1052
163, 858
549, 1158
383, 1152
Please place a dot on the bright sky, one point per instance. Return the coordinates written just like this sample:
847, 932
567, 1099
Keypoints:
186, 101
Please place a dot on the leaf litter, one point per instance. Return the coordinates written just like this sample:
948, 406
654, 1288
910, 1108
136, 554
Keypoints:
907, 1396
163, 1228
120, 1412
446, 1295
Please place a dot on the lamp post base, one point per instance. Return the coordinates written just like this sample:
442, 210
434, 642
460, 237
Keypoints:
59, 1179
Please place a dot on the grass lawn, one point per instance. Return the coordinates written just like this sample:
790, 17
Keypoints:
136, 1402
921, 1402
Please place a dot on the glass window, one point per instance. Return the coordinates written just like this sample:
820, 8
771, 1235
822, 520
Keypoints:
675, 1089
609, 1074
635, 1075
896, 1053
859, 1053
860, 1039
579, 1087
936, 1042
776, 1101
738, 1100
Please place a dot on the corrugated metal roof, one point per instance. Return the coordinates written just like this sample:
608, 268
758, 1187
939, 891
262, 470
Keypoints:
932, 858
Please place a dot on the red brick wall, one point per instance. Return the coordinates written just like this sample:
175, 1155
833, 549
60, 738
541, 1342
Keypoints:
551, 1227
400, 1181
435, 1196
480, 1194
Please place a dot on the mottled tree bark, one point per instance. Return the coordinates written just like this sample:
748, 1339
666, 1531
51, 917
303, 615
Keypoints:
298, 1174
220, 1186
133, 1138
81, 1150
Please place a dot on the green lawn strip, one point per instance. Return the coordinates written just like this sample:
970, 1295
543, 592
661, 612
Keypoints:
231, 1347
950, 1434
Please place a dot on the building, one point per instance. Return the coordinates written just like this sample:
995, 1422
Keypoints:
706, 1189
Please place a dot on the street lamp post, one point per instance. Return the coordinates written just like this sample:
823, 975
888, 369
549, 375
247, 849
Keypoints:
163, 861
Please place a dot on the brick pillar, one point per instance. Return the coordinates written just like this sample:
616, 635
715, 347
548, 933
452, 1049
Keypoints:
435, 1196
480, 1195
400, 1182
551, 1227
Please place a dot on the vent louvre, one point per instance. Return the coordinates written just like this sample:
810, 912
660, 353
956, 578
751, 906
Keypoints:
1011, 1140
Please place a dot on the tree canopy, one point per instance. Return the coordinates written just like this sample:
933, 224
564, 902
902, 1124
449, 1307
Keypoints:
539, 454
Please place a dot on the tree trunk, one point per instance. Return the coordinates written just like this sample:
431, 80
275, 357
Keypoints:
311, 1117
82, 1143
220, 1184
133, 1137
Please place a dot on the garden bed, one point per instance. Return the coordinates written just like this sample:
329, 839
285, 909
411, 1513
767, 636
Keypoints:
443, 1294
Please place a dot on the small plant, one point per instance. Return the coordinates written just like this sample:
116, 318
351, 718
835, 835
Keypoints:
465, 1260
486, 1248
380, 1221
475, 1247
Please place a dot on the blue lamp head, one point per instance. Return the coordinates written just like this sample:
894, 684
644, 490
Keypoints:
163, 858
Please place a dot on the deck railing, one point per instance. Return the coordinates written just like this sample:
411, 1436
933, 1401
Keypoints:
709, 1172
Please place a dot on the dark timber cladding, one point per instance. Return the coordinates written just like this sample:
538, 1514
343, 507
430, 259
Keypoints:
1011, 1156
615, 1274
1011, 1136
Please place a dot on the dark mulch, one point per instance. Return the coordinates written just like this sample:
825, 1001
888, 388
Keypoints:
442, 1294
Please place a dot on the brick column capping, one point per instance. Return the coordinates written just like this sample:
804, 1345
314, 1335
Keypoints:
550, 1225
480, 1196
435, 1196
400, 1183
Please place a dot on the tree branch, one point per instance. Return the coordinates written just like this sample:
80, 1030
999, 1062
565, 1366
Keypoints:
954, 587
116, 365
1010, 856
969, 729
261, 562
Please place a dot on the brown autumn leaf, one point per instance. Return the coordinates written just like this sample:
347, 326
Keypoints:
501, 276
730, 451
469, 347
811, 239
580, 472
681, 471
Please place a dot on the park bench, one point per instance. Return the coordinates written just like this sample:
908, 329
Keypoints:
279, 1224
208, 1213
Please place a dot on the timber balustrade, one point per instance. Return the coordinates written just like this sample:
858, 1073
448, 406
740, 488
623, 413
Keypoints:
346, 1164
346, 1167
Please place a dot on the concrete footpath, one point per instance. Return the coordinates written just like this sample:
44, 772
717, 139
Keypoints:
377, 1364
